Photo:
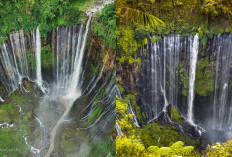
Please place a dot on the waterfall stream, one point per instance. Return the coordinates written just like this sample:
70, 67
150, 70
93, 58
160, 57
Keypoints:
170, 71
194, 46
72, 92
222, 102
38, 60
1, 99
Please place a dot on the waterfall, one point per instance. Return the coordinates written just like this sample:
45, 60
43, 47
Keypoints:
78, 61
118, 129
134, 118
163, 78
169, 71
10, 76
222, 102
66, 43
71, 92
16, 59
21, 57
38, 60
194, 46
1, 99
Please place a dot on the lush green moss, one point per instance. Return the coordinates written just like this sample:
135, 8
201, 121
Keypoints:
8, 113
184, 80
154, 134
175, 115
47, 57
96, 113
204, 80
100, 95
31, 61
12, 143
104, 148
69, 139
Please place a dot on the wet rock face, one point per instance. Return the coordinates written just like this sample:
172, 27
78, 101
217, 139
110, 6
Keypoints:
171, 117
130, 76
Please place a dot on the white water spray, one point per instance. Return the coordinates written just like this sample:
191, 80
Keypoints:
39, 79
192, 75
1, 99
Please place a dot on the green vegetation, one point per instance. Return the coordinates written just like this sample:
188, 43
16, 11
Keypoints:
12, 143
104, 147
96, 113
68, 140
175, 115
136, 142
220, 149
29, 14
133, 27
100, 95
184, 80
17, 110
154, 134
139, 114
8, 113
31, 60
47, 57
136, 22
105, 25
121, 89
204, 79
154, 140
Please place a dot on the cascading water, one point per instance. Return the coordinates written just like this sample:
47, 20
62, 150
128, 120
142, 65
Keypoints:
20, 57
222, 102
71, 92
14, 60
39, 79
170, 71
164, 60
194, 47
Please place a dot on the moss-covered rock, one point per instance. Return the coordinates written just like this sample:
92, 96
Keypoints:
9, 113
175, 115
71, 140
12, 143
204, 78
155, 134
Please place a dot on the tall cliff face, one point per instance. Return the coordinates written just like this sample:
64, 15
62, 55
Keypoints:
165, 73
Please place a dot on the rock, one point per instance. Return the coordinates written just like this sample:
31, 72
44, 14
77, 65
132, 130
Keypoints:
166, 118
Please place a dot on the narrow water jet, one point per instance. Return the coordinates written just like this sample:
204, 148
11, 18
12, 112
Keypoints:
194, 48
38, 60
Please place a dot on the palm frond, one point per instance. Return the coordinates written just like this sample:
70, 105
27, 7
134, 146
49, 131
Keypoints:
130, 16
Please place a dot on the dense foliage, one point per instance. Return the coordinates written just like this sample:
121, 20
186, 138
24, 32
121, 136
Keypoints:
134, 141
220, 149
29, 14
105, 25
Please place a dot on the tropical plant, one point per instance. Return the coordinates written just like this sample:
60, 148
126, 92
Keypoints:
130, 16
